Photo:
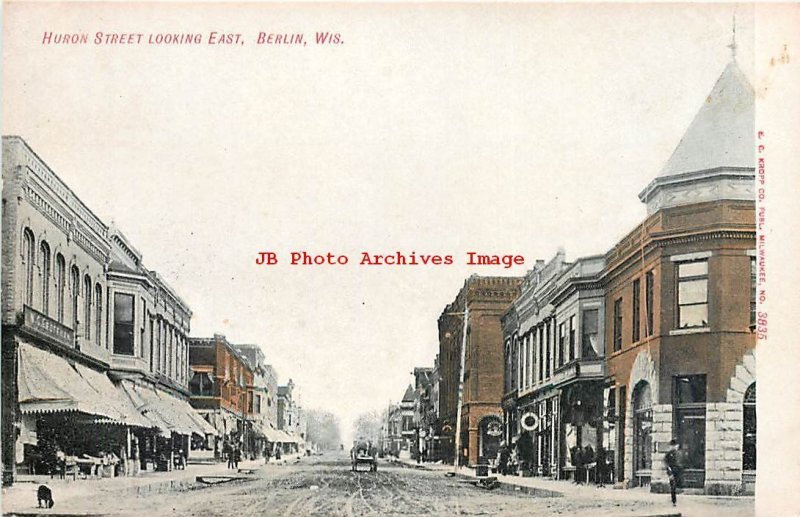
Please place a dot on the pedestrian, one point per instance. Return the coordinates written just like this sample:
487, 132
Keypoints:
278, 454
237, 456
600, 470
578, 462
588, 459
502, 460
227, 451
673, 467
267, 454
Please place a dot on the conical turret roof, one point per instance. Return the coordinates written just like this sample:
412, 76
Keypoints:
722, 132
715, 159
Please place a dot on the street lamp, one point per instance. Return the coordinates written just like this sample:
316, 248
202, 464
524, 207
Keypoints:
460, 385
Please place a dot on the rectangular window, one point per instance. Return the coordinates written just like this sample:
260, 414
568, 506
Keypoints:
562, 338
541, 353
693, 294
123, 324
572, 338
635, 310
649, 282
753, 289
143, 330
618, 324
152, 345
547, 352
589, 342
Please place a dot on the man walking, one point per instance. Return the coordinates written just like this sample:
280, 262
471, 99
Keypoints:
672, 464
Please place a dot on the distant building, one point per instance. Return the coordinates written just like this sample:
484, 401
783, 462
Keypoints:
487, 298
220, 382
401, 430
260, 394
422, 411
288, 418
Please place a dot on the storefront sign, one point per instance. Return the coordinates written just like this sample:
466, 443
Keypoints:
47, 328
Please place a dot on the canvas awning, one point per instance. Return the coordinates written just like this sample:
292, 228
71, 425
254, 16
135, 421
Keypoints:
272, 435
49, 383
165, 411
288, 438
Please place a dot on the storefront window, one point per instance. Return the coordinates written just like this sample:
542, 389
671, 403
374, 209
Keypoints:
690, 416
749, 439
123, 324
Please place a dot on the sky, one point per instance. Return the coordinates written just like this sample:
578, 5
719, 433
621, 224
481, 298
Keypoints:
500, 129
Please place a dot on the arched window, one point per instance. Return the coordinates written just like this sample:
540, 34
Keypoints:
44, 252
98, 310
75, 289
749, 429
61, 281
27, 260
87, 307
642, 427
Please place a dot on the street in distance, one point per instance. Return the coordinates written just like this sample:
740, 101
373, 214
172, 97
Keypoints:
472, 258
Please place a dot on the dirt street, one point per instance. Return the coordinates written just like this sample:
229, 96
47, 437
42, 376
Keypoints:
326, 486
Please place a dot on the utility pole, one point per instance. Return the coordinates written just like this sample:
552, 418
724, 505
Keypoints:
457, 456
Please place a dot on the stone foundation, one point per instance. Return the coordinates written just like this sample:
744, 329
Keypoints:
662, 434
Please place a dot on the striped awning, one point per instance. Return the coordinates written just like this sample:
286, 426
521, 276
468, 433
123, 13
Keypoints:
165, 411
49, 383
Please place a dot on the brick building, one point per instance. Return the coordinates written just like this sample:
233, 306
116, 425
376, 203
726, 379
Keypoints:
487, 298
221, 388
680, 307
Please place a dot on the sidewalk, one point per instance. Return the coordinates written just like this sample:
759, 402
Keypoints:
21, 497
688, 505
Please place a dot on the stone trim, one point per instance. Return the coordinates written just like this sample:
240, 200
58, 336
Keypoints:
643, 369
724, 426
687, 257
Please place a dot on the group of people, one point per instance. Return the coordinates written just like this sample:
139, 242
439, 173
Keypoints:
233, 453
584, 459
268, 453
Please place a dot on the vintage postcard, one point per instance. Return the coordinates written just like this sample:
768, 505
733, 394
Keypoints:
399, 259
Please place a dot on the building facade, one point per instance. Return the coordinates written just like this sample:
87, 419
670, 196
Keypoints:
553, 405
653, 341
220, 390
680, 307
76, 312
487, 299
